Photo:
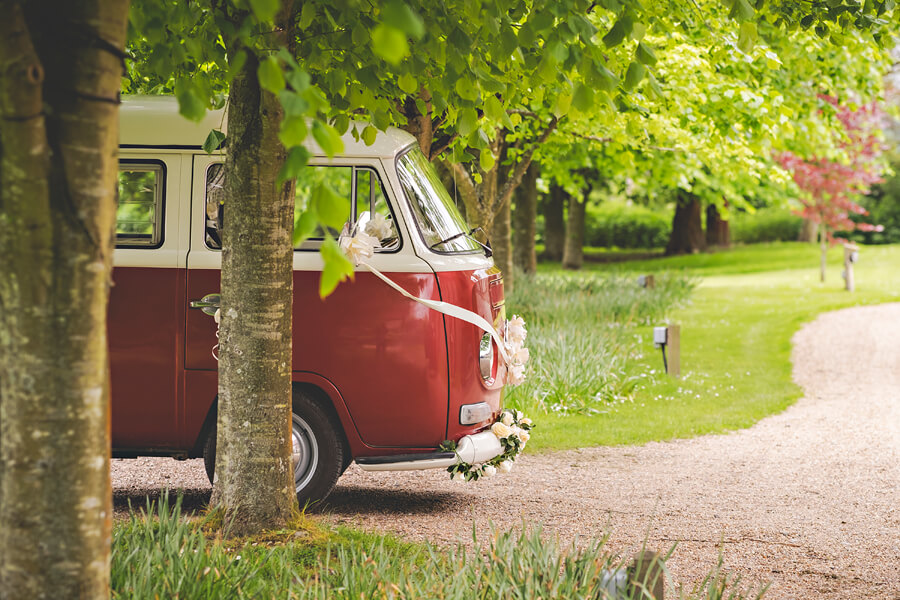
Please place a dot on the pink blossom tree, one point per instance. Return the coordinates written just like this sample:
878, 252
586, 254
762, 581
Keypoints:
832, 186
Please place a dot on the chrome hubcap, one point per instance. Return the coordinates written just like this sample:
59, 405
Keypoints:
304, 452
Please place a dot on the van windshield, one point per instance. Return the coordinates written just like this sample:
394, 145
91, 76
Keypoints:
442, 227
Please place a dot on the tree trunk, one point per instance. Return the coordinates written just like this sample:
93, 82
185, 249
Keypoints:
718, 232
254, 475
687, 227
808, 231
573, 254
501, 244
524, 222
554, 223
60, 71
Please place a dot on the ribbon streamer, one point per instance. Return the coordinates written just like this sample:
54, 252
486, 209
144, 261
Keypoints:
448, 309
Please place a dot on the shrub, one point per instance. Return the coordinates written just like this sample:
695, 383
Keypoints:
766, 225
581, 338
625, 226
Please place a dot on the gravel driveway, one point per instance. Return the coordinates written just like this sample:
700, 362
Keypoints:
808, 499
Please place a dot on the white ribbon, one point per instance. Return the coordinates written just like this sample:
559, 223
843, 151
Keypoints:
447, 309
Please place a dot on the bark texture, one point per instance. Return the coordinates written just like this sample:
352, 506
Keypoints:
687, 227
254, 476
573, 253
808, 231
525, 222
718, 233
554, 223
60, 70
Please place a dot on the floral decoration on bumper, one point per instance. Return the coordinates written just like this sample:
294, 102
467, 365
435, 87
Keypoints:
512, 429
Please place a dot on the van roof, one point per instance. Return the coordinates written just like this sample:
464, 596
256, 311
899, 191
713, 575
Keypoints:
154, 122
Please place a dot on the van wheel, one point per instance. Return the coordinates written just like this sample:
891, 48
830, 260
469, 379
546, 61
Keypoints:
317, 453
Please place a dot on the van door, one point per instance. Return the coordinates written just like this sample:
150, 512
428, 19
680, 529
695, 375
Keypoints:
146, 315
386, 355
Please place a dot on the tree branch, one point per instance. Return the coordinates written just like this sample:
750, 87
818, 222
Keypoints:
523, 164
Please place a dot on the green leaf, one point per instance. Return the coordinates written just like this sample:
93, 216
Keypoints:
634, 75
336, 267
191, 104
644, 53
270, 76
293, 131
369, 134
327, 138
748, 36
332, 208
468, 121
307, 14
465, 89
213, 141
563, 103
236, 64
583, 99
304, 226
742, 11
265, 10
401, 17
294, 104
619, 32
390, 44
408, 83
807, 21
493, 108
297, 158
486, 159
606, 79
341, 124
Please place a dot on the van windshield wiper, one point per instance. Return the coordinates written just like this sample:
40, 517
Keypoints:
486, 247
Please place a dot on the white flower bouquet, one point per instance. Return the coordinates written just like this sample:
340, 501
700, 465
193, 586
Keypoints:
512, 428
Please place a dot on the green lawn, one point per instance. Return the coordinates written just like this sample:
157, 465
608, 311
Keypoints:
735, 342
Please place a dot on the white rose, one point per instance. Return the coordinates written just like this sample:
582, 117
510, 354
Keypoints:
521, 355
525, 421
524, 436
458, 476
515, 374
500, 430
505, 466
519, 415
507, 418
490, 470
378, 227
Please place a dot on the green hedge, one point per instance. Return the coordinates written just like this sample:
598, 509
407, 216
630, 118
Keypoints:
626, 226
767, 225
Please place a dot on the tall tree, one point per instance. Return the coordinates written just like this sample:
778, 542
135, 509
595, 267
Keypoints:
831, 187
554, 222
60, 72
524, 222
254, 410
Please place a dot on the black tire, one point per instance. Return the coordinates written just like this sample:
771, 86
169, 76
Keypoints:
317, 450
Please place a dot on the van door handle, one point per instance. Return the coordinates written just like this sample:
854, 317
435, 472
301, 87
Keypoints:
209, 303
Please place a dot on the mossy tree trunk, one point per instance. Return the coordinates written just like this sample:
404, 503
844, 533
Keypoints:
554, 223
60, 72
573, 253
254, 484
687, 226
525, 222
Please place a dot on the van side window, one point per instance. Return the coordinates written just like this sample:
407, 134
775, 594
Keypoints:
139, 210
360, 185
373, 212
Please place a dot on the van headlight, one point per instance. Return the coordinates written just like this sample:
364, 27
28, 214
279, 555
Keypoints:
486, 357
